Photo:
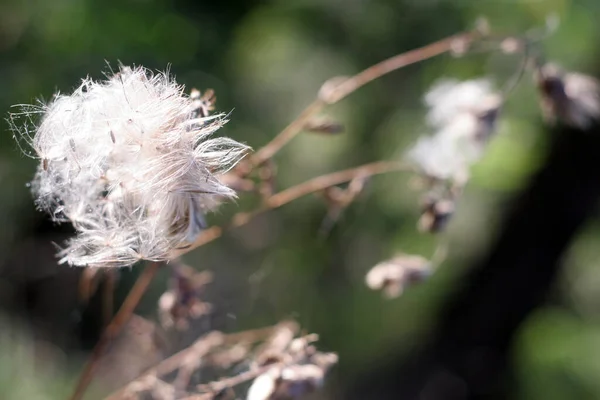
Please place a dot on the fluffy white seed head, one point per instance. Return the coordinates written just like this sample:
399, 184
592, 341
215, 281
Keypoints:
463, 115
130, 163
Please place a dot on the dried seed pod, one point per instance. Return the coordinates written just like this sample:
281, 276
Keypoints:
570, 97
435, 214
326, 126
395, 275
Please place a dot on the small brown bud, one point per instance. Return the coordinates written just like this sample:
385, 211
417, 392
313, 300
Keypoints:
325, 126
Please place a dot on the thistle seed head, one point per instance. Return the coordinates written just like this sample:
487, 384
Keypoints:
130, 162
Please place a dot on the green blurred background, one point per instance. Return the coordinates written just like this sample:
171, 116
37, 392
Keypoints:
266, 60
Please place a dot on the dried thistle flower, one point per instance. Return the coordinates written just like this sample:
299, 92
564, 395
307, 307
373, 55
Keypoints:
464, 116
395, 275
129, 162
571, 97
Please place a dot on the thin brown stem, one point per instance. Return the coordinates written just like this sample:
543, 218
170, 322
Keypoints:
336, 178
115, 327
108, 293
295, 192
287, 134
354, 83
402, 60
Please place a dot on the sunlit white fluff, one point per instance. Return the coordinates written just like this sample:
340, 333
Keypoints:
130, 163
463, 115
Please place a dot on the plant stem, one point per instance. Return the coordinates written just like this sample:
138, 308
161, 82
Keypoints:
295, 192
114, 328
354, 83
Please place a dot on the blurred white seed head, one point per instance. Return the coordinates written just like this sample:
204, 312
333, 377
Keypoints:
571, 97
463, 115
130, 163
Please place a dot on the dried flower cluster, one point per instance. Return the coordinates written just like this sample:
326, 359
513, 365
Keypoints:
279, 364
463, 115
129, 162
296, 370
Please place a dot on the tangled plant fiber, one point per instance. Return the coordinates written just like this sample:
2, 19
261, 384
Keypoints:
130, 163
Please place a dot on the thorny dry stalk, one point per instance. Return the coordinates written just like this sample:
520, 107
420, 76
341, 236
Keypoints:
331, 93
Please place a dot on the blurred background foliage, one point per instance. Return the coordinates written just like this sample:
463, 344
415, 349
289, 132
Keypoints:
266, 60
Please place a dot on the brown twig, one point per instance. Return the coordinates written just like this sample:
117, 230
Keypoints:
108, 292
323, 182
354, 83
287, 134
402, 60
295, 192
115, 327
